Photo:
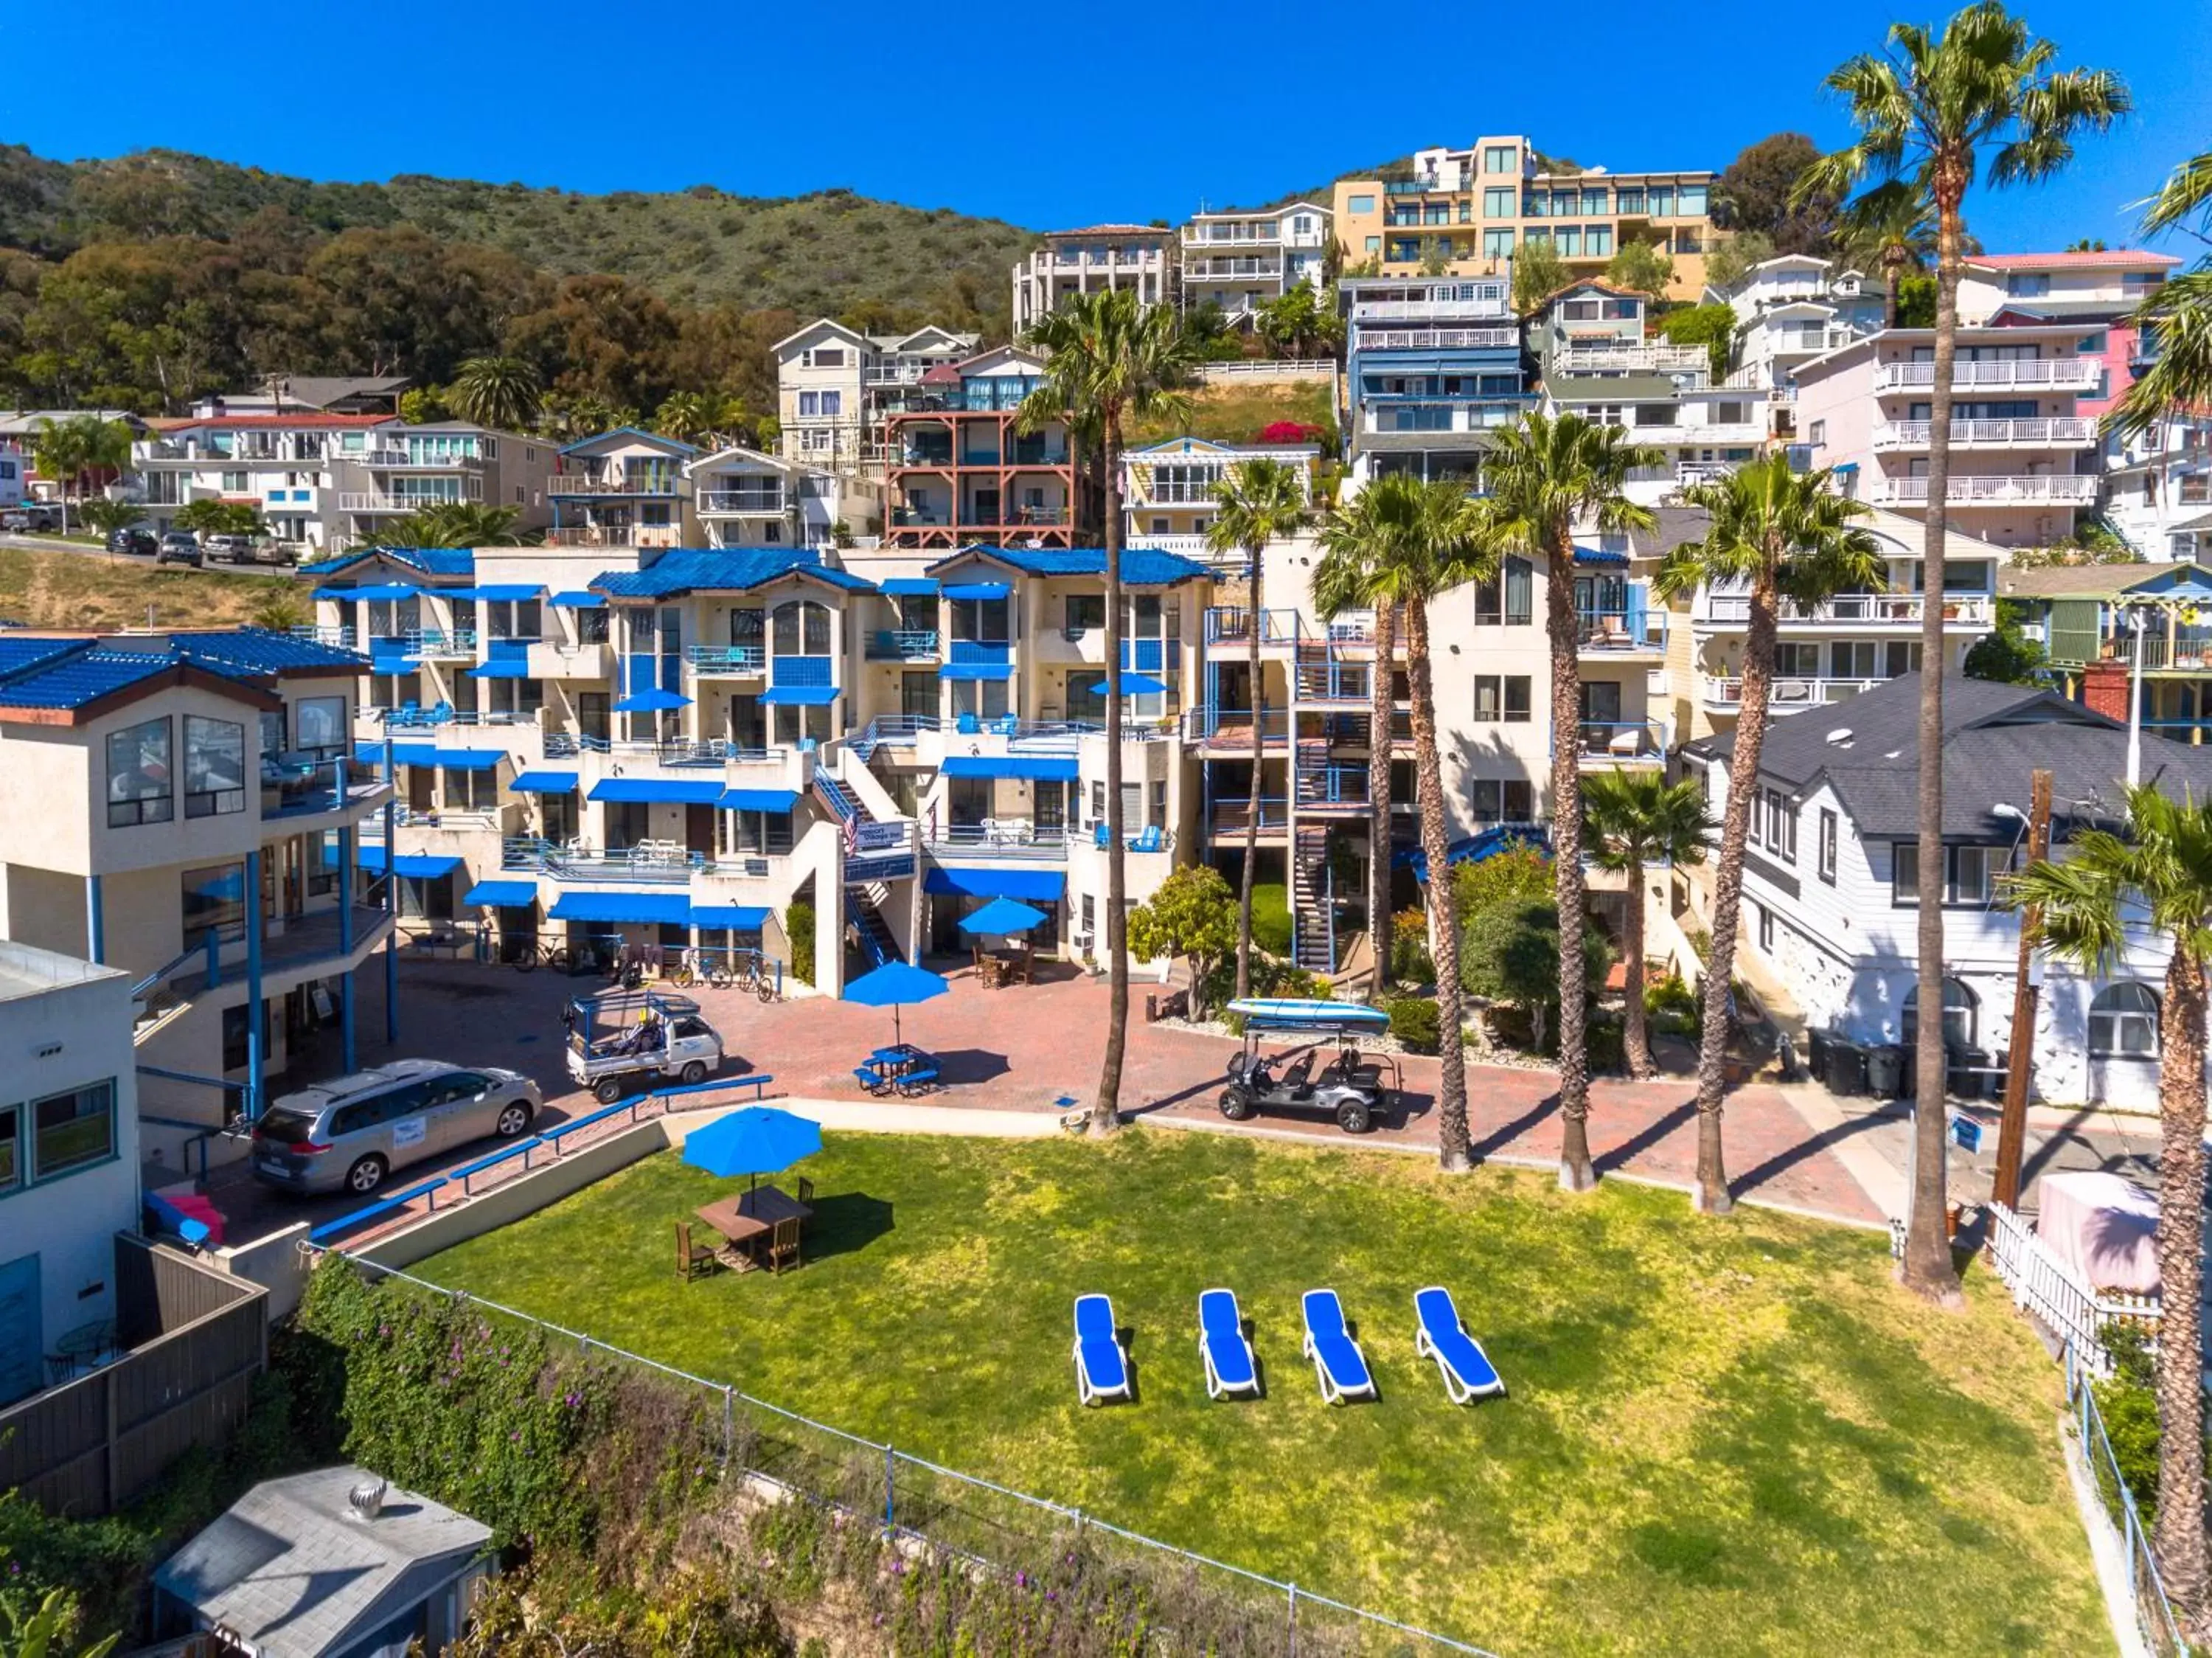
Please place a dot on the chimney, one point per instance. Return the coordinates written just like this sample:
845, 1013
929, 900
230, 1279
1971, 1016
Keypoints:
2104, 688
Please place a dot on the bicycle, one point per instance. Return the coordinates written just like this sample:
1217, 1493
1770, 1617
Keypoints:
531, 952
751, 973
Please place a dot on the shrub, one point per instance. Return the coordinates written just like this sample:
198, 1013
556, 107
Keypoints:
1270, 917
1410, 961
1607, 1045
1520, 875
799, 936
1414, 1023
1673, 1006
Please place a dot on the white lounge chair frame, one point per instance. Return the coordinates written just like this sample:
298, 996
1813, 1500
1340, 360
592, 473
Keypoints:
1215, 1387
1456, 1387
1330, 1392
1087, 1393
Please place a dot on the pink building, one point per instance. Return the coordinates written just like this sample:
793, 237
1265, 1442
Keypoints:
2023, 456
2093, 291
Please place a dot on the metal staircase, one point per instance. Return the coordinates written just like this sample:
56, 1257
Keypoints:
864, 904
1313, 908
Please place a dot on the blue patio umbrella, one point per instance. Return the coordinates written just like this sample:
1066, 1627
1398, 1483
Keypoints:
651, 702
1003, 917
894, 986
1133, 685
756, 1141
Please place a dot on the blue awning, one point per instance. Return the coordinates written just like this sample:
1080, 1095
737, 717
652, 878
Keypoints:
976, 671
800, 696
544, 782
903, 587
502, 667
336, 593
645, 908
503, 895
738, 917
470, 759
508, 590
657, 791
385, 590
403, 753
579, 601
1046, 768
978, 590
416, 865
759, 800
1599, 556
1030, 884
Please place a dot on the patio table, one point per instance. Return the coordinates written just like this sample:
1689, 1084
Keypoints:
748, 1217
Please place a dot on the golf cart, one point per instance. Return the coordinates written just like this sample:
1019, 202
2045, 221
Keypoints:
1323, 1073
622, 1042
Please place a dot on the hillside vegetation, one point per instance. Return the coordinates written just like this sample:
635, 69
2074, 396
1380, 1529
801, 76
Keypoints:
92, 590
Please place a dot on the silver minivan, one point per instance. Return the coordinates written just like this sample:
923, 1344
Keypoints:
349, 1134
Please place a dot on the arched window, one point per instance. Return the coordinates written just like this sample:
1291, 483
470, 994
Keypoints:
801, 628
2124, 1022
1959, 1010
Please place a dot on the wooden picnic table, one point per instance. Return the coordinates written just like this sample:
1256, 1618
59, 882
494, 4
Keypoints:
750, 1215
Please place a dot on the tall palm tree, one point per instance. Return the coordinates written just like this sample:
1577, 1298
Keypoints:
1775, 535
65, 450
1261, 501
502, 392
460, 524
1632, 819
1927, 110
1109, 360
1892, 229
2162, 872
1402, 543
2178, 314
1548, 477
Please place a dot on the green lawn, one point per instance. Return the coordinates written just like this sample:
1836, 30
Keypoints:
1723, 1436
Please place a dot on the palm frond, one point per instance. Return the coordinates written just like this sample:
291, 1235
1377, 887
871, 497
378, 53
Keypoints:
2186, 194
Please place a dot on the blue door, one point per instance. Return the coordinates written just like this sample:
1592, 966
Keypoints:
21, 1339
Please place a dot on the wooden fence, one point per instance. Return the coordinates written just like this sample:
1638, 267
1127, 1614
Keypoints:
194, 1340
2072, 1310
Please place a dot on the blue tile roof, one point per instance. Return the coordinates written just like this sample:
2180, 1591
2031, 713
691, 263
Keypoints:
692, 570
1141, 567
261, 651
83, 678
19, 656
431, 561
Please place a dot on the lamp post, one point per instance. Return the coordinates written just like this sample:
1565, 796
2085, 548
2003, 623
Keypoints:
2012, 1125
2135, 619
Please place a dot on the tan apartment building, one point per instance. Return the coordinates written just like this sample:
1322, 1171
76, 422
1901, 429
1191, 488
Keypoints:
1471, 209
1099, 256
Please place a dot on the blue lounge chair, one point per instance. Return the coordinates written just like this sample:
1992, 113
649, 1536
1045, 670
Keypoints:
1467, 1371
1337, 1360
1098, 836
968, 726
1229, 1366
1148, 840
1101, 1371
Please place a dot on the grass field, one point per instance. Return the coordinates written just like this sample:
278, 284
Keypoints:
1723, 1436
71, 589
1238, 413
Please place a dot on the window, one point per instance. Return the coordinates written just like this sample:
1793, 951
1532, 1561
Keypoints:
213, 902
236, 483
1598, 239
1374, 244
1498, 158
11, 1133
2027, 284
1781, 826
1085, 611
1817, 433
140, 783
1692, 201
1797, 659
1516, 699
72, 1130
1958, 1010
1629, 199
1519, 579
1497, 202
826, 357
1662, 199
1970, 874
1498, 244
214, 768
2122, 1023
1490, 799
1568, 238
1489, 698
1765, 929
1827, 846
1903, 874
1359, 204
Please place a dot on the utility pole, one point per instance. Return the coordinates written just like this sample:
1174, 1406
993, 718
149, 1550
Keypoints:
2012, 1127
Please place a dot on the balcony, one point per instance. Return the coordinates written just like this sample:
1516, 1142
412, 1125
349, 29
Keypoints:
1433, 310
442, 644
642, 483
2187, 651
1224, 270
1441, 419
1438, 339
1209, 237
2044, 373
411, 461
370, 501
341, 638
551, 659
1628, 633
999, 838
1719, 435
1332, 787
308, 945
614, 535
1604, 743
711, 660
2066, 431
1185, 546
1230, 817
651, 862
1576, 358
766, 503
1723, 693
1807, 342
901, 645
1850, 610
1987, 490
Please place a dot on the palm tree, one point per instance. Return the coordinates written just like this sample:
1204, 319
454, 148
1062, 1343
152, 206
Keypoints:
460, 524
2161, 872
502, 392
1404, 543
2178, 314
1110, 360
280, 610
1632, 819
1891, 229
1927, 110
1261, 501
1775, 535
685, 416
65, 450
1546, 477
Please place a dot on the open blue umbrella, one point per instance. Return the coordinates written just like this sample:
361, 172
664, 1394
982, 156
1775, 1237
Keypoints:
1002, 918
1133, 685
756, 1141
652, 701
895, 985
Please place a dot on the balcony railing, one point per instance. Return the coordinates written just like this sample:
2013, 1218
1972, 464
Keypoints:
1438, 340
442, 643
2189, 649
1578, 358
645, 483
1230, 816
369, 501
1232, 726
2058, 431
649, 863
902, 645
1850, 610
340, 637
1430, 311
2055, 374
741, 501
1622, 742
1001, 838
725, 659
1222, 269
1724, 693
1796, 342
1209, 236
1623, 630
1325, 786
614, 535
1987, 490
415, 461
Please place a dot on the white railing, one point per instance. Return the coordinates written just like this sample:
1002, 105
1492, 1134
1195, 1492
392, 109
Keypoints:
665, 483
1999, 490
1576, 358
760, 501
389, 457
1425, 310
1848, 610
2058, 373
596, 535
1284, 368
1224, 270
1734, 434
1978, 434
1270, 236
361, 501
1791, 342
1784, 695
2045, 1286
1432, 340
1187, 546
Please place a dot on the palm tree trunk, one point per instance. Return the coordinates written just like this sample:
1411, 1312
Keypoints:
1452, 1151
1892, 273
1636, 1034
2179, 1527
1575, 1172
1105, 1110
1927, 1267
1712, 1196
1252, 800
1380, 749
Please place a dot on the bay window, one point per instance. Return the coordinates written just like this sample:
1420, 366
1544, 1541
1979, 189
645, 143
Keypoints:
215, 766
141, 780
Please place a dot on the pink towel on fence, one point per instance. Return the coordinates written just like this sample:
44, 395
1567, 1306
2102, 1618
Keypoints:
2103, 1227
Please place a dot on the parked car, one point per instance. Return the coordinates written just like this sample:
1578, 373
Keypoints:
31, 516
134, 538
348, 1135
178, 547
626, 1041
230, 549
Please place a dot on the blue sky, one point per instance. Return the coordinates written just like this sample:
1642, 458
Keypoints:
1047, 116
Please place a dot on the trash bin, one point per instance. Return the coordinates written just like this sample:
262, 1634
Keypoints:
1817, 1040
1886, 1071
1846, 1073
1965, 1075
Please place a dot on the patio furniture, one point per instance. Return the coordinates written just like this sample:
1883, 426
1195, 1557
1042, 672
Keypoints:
1102, 1370
1148, 840
1626, 744
746, 1219
1231, 1367
1466, 1368
990, 971
805, 1192
692, 1259
1339, 1365
783, 1246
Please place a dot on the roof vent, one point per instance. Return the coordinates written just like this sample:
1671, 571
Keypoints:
1841, 736
366, 1501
